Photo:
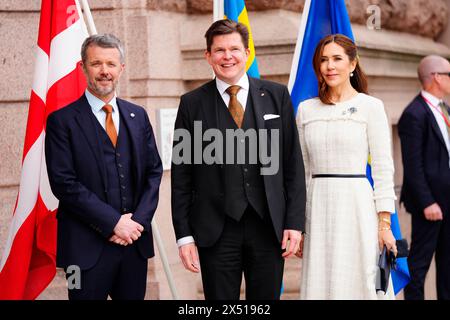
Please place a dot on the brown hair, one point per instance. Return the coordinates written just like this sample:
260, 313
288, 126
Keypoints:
359, 79
226, 26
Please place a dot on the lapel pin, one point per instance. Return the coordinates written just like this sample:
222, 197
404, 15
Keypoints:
262, 94
132, 115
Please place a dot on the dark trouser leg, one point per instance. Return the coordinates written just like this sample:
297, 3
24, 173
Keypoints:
424, 237
263, 264
97, 281
221, 264
131, 279
443, 261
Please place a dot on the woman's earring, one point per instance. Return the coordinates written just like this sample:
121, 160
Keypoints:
351, 74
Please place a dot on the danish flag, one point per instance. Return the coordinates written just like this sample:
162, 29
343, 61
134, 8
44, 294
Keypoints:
28, 263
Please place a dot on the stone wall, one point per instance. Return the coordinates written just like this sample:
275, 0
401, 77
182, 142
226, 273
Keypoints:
423, 17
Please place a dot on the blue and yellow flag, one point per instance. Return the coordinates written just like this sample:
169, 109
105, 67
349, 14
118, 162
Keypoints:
235, 10
321, 18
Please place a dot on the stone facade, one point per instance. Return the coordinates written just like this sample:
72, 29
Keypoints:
164, 59
422, 17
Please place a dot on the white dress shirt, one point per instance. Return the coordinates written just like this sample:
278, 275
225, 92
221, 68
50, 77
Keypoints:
97, 105
242, 96
438, 116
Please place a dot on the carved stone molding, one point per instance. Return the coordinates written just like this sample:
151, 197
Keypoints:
422, 17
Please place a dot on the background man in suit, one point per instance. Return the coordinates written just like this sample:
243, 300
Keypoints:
104, 168
239, 220
424, 133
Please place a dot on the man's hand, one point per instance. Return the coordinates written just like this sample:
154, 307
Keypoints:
433, 212
189, 257
118, 240
299, 252
127, 229
294, 237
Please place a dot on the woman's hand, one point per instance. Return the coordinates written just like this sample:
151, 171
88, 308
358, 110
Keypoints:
385, 236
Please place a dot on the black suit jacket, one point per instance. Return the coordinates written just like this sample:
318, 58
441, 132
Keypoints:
77, 174
198, 189
426, 177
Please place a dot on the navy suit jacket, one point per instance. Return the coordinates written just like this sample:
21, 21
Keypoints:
426, 177
77, 175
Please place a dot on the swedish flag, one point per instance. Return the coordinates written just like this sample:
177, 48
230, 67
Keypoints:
235, 10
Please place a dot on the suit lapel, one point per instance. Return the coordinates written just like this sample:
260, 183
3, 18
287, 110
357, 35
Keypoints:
259, 98
261, 106
129, 119
86, 122
209, 105
433, 121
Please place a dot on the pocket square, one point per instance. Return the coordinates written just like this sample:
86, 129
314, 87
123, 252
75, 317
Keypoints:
270, 116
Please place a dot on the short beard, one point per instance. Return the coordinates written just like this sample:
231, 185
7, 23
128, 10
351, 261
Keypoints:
102, 91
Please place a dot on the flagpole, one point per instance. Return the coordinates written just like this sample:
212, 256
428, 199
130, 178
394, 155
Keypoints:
218, 14
218, 10
93, 30
298, 45
88, 17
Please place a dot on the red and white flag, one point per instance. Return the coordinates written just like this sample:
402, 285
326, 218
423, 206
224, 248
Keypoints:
28, 263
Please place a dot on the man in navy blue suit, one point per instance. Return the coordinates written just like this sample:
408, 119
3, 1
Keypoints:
424, 129
104, 168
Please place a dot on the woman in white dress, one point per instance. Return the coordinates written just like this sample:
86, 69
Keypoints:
347, 222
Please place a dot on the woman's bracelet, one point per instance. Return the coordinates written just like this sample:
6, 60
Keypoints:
386, 220
384, 229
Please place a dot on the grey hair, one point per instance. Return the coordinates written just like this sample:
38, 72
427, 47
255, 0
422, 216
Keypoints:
106, 40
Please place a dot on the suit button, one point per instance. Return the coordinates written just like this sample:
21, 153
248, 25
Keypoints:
123, 187
119, 165
124, 198
117, 154
122, 176
245, 170
247, 184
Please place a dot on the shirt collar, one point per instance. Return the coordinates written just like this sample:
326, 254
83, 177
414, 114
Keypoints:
434, 100
222, 85
97, 104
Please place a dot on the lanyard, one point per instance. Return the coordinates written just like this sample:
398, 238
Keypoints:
438, 110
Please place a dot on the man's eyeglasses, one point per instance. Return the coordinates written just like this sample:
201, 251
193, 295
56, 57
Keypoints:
444, 73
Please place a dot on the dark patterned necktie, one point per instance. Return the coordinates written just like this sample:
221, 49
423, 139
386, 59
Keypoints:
444, 110
109, 124
235, 108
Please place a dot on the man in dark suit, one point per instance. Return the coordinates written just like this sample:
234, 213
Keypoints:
424, 133
105, 170
242, 216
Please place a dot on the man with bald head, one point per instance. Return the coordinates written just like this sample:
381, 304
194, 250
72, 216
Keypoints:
424, 129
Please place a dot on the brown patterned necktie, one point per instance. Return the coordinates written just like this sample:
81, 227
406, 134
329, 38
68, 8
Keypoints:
446, 116
235, 108
109, 124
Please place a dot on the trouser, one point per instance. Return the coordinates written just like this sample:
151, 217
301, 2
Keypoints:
121, 273
248, 247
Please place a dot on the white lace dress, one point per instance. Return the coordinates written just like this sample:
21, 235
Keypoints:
341, 241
